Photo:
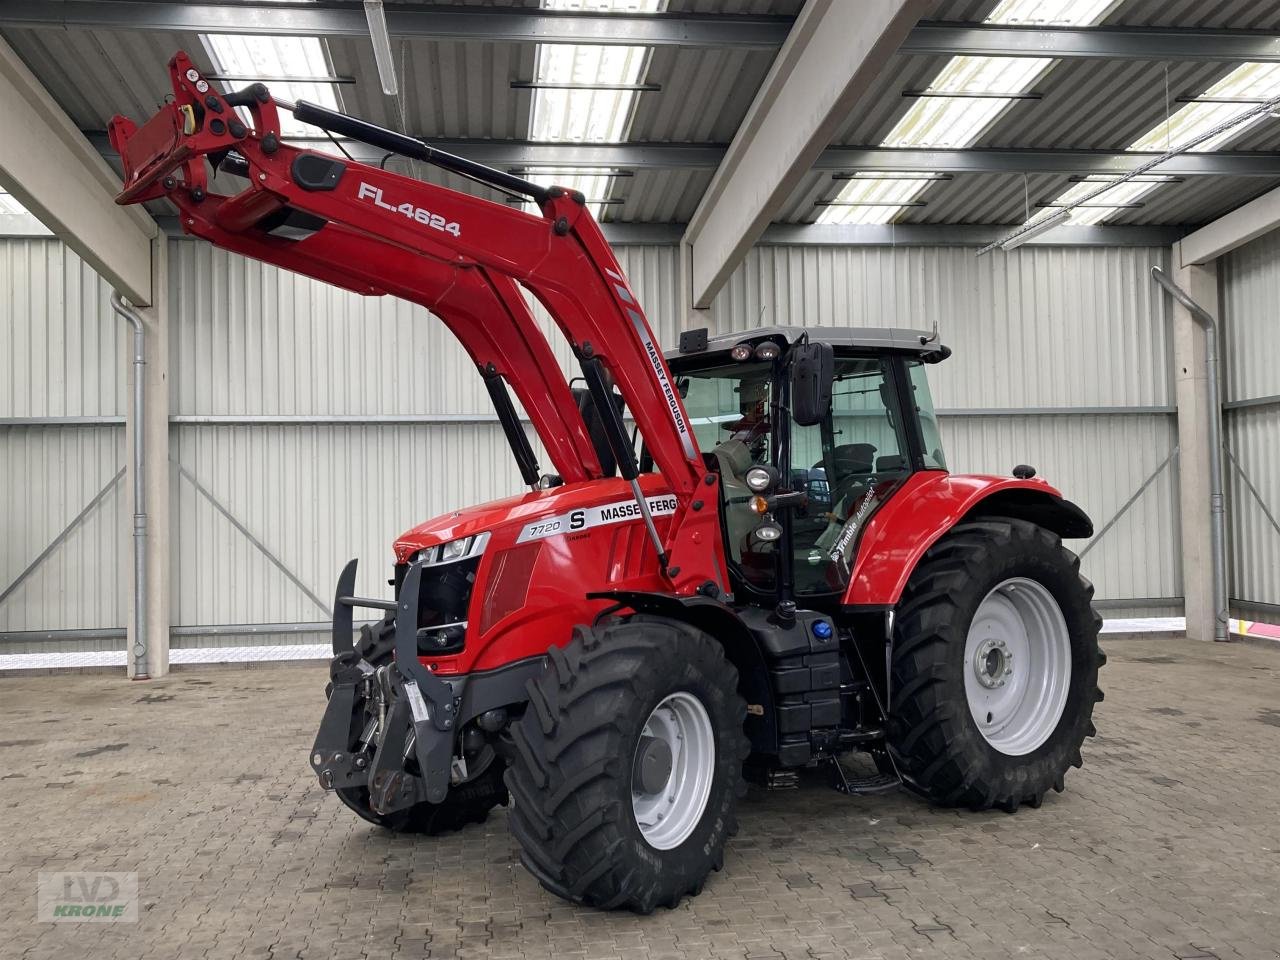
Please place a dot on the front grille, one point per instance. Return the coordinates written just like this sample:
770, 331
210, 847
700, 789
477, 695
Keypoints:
443, 599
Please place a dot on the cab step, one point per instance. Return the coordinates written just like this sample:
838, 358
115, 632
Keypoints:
861, 784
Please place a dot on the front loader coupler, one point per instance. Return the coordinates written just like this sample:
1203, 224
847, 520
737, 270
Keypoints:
389, 726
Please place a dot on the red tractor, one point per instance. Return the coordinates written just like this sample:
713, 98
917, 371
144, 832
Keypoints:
772, 570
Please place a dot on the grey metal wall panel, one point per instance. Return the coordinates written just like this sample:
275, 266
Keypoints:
1253, 437
1037, 326
313, 496
253, 339
64, 351
1098, 462
1250, 281
1250, 287
48, 475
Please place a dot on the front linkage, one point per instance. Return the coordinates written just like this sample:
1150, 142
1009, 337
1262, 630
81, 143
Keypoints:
417, 713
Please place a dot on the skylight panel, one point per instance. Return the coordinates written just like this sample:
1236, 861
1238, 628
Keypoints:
867, 200
1074, 13
943, 122
607, 6
8, 205
264, 56
1258, 81
585, 93
593, 115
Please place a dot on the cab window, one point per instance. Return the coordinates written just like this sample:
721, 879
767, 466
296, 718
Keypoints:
845, 464
858, 455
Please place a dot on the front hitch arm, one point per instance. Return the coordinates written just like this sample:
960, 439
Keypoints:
430, 698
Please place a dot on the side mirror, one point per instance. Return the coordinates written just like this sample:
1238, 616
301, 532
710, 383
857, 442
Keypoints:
812, 372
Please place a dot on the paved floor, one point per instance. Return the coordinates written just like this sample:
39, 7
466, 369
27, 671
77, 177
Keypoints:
1166, 844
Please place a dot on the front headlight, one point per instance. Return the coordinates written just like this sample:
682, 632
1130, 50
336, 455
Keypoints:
456, 549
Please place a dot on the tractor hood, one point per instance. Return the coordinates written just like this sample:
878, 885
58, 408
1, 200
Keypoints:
515, 512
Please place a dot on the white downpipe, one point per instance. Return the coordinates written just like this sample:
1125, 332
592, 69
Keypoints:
1217, 504
138, 652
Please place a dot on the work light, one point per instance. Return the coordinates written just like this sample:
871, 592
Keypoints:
768, 532
768, 351
760, 478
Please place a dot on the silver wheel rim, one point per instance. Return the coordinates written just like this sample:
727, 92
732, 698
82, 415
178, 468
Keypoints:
1017, 666
667, 816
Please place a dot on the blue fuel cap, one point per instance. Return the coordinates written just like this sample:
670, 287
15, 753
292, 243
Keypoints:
822, 629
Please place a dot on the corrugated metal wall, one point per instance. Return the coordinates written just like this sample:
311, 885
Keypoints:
267, 508
62, 359
1250, 281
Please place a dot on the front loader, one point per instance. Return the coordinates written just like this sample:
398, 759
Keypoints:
774, 571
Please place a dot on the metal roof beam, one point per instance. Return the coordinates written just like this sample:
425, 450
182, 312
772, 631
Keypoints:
872, 235
981, 160
961, 235
1102, 43
427, 21
691, 156
830, 60
523, 154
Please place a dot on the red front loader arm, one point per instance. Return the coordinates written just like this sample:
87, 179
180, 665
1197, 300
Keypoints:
462, 257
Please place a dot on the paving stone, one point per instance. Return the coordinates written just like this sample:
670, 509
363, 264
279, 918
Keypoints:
1166, 844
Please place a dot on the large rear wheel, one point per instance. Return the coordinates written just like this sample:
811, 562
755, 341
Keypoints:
627, 765
995, 667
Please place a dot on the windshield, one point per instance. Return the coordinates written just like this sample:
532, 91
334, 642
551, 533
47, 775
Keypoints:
847, 464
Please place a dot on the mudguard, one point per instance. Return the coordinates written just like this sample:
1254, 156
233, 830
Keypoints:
928, 505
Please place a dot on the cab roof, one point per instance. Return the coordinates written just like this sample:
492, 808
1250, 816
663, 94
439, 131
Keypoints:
879, 339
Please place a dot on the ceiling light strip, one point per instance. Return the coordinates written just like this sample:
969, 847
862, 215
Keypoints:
1264, 107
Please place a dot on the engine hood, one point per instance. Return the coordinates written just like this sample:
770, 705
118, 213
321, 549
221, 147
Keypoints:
518, 510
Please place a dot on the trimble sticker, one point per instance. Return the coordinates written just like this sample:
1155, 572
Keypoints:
588, 517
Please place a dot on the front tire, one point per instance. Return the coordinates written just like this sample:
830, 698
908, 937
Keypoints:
627, 765
995, 667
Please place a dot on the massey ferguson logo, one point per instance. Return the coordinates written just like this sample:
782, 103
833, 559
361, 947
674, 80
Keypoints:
599, 516
425, 217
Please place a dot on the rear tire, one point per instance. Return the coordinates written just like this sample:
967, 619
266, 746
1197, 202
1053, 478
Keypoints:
583, 771
994, 667
465, 803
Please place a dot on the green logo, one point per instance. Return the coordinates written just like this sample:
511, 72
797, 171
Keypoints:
87, 897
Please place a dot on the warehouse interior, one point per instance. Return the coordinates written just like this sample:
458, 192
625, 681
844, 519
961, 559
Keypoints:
941, 166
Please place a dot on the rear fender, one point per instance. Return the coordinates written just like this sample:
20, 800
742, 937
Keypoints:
928, 505
722, 623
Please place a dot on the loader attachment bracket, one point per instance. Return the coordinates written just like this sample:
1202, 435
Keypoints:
332, 758
430, 699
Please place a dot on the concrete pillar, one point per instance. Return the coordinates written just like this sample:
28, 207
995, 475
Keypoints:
691, 317
1201, 282
156, 467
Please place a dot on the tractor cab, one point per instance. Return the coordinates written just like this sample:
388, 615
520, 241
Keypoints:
810, 430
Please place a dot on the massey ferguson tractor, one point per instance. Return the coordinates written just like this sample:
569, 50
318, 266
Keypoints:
772, 570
